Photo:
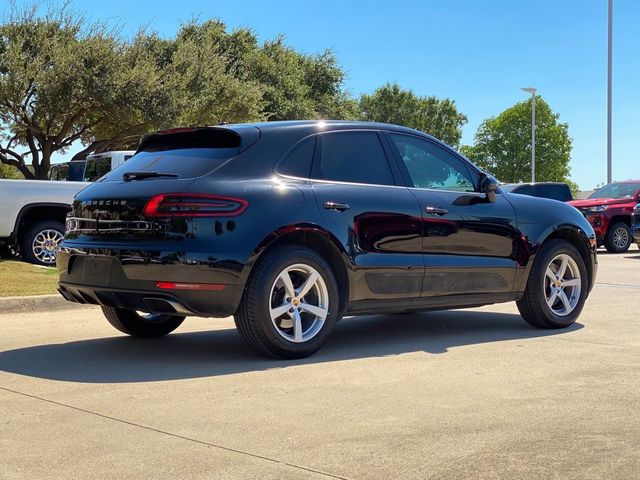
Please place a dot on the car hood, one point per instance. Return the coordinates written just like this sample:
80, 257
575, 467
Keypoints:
594, 202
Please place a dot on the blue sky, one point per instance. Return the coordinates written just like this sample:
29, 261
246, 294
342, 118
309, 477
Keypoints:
478, 53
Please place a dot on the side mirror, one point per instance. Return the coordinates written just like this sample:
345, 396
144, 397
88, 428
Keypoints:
488, 185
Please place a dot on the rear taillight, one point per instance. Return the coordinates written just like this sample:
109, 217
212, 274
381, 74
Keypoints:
194, 205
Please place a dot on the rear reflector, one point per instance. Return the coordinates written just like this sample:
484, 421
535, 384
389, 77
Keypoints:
194, 205
209, 287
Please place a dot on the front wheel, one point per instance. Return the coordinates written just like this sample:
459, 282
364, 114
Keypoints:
140, 324
618, 238
290, 304
557, 287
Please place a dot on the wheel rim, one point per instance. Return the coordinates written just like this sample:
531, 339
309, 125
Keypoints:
562, 285
45, 245
620, 237
298, 303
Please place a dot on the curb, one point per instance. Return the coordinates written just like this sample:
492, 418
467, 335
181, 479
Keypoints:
37, 303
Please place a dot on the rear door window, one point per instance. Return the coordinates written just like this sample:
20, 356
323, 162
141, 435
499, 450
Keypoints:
354, 157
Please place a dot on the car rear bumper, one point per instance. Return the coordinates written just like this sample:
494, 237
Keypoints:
103, 280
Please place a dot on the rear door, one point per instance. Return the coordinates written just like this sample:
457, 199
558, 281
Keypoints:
377, 220
468, 243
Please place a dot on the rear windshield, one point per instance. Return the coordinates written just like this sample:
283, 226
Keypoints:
186, 155
185, 163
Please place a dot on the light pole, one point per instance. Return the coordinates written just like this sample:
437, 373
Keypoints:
532, 91
609, 60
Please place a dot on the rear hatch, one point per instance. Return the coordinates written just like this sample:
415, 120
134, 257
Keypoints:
143, 200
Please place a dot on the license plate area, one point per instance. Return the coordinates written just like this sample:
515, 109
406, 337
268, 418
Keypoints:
93, 270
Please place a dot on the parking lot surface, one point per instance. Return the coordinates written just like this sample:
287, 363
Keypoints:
473, 393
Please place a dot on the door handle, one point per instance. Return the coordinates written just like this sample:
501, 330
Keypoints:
436, 210
340, 207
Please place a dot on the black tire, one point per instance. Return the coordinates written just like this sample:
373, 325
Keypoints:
619, 228
132, 323
253, 319
26, 245
533, 305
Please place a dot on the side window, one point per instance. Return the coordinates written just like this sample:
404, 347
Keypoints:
524, 190
356, 157
556, 192
431, 166
297, 162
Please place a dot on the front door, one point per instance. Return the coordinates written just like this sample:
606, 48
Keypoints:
468, 242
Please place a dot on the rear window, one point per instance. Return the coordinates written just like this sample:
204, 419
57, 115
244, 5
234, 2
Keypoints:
96, 168
185, 154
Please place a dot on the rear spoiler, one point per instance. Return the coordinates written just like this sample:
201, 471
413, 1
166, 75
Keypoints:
200, 137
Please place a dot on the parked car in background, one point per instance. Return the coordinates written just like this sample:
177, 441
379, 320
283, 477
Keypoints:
635, 225
32, 215
609, 210
553, 190
288, 226
99, 164
72, 171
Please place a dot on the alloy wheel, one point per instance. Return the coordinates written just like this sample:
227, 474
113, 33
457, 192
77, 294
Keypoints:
45, 245
562, 284
620, 237
298, 303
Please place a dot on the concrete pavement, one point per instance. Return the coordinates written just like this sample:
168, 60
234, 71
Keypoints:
461, 394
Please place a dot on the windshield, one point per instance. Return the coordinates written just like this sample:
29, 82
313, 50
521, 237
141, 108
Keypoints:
617, 190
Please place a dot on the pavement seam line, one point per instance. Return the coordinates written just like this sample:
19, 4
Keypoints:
592, 342
174, 435
625, 285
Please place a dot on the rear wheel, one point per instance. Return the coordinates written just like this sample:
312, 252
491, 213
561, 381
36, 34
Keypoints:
618, 238
557, 287
290, 303
140, 324
40, 242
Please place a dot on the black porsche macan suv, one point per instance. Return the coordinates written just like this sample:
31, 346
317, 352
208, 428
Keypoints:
288, 226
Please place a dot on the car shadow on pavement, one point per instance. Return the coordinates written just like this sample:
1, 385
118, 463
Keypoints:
222, 352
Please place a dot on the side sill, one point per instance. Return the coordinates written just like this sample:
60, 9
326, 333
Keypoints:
366, 307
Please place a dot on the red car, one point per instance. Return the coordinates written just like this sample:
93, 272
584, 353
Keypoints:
609, 210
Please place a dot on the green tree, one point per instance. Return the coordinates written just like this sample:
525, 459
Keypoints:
392, 104
210, 75
63, 80
8, 171
503, 144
